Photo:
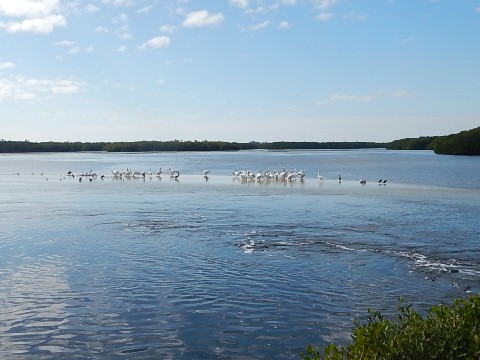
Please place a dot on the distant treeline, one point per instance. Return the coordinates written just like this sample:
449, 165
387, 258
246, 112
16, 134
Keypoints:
463, 143
175, 145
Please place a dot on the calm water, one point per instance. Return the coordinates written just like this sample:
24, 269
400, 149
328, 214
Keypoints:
220, 269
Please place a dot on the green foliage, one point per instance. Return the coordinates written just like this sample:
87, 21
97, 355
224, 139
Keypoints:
421, 143
463, 143
446, 332
174, 145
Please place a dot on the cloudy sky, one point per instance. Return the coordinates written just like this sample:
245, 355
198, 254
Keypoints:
238, 70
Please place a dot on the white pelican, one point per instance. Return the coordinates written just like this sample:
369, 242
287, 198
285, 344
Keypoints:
159, 172
205, 173
172, 172
363, 181
320, 177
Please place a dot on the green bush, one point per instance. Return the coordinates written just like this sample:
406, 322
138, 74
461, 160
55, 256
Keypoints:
446, 332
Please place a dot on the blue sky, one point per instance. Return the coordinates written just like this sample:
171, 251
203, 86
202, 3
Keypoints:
238, 70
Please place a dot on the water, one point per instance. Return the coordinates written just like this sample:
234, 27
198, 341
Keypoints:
219, 269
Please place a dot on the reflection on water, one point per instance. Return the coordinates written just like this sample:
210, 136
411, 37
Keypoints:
189, 269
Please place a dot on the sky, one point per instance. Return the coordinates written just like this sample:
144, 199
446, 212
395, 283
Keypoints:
238, 70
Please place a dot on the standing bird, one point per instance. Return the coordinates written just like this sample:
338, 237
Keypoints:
339, 178
205, 174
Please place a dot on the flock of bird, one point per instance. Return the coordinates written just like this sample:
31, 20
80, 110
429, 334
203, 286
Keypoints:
268, 175
284, 175
129, 174
243, 175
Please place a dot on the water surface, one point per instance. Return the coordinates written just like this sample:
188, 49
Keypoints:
195, 269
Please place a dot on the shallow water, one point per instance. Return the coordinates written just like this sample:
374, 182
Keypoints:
195, 269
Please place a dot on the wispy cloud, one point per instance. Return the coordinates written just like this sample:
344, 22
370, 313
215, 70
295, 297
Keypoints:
202, 18
28, 8
73, 47
145, 9
344, 98
102, 29
118, 2
91, 8
355, 17
260, 26
400, 93
155, 43
123, 31
38, 16
477, 9
168, 29
22, 88
121, 49
7, 65
325, 4
240, 3
324, 16
261, 10
284, 25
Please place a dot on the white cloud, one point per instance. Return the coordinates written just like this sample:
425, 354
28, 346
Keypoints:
289, 2
122, 48
102, 29
325, 4
145, 9
21, 88
240, 3
64, 87
91, 8
74, 48
123, 31
118, 2
38, 16
324, 16
355, 17
67, 43
262, 10
28, 8
285, 25
168, 28
7, 65
400, 93
40, 25
157, 42
477, 10
345, 98
202, 18
260, 26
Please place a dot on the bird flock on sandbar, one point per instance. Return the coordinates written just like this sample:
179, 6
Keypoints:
284, 175
128, 174
244, 176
